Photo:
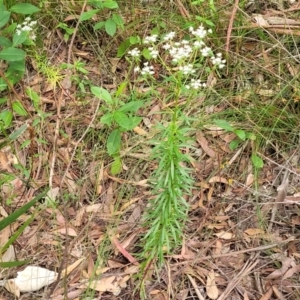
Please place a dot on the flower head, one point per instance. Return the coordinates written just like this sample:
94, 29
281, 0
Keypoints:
134, 52
218, 61
150, 39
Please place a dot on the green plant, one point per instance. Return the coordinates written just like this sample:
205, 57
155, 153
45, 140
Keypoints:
13, 37
184, 65
110, 24
119, 115
12, 218
242, 136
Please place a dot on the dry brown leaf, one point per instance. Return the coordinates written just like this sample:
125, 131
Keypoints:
72, 267
278, 294
218, 179
12, 287
224, 235
104, 285
286, 263
4, 162
204, 145
9, 254
291, 272
267, 295
66, 231
211, 287
140, 131
254, 231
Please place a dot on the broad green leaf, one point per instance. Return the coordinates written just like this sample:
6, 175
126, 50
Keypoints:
122, 119
15, 134
19, 212
110, 27
88, 14
102, 93
114, 142
12, 264
12, 54
18, 39
146, 54
118, 20
24, 9
110, 4
6, 116
3, 85
121, 88
135, 40
19, 108
107, 119
234, 144
122, 49
257, 161
132, 106
16, 70
4, 17
135, 121
241, 134
224, 124
5, 42
116, 166
99, 25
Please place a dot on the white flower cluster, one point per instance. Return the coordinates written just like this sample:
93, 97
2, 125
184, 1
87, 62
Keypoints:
218, 61
181, 54
28, 27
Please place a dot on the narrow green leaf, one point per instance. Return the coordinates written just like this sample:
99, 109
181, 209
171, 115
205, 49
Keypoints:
12, 54
118, 20
114, 142
4, 17
102, 93
19, 108
16, 234
17, 213
88, 14
12, 264
24, 9
15, 134
257, 161
110, 27
116, 166
234, 144
224, 124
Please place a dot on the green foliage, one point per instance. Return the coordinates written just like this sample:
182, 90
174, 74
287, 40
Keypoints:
120, 116
242, 136
11, 219
111, 24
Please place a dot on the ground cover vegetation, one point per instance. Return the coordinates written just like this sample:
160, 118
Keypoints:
149, 149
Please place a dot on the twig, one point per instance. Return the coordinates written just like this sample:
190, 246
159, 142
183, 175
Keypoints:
235, 281
230, 26
209, 257
194, 284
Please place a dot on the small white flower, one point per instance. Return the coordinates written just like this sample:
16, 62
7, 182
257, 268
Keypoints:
218, 61
136, 70
150, 39
187, 69
28, 19
147, 70
169, 36
205, 51
201, 32
153, 52
134, 52
166, 46
198, 44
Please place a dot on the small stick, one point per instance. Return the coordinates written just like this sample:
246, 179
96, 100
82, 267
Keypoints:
230, 26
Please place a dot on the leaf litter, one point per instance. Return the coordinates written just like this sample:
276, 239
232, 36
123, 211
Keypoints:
226, 253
